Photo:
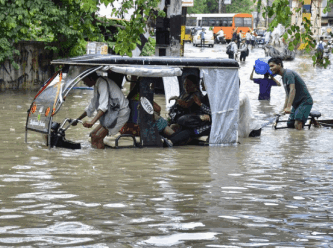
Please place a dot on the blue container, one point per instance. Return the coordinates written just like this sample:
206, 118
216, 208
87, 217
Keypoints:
261, 66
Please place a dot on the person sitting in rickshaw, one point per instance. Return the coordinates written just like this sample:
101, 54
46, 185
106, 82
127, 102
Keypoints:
170, 137
106, 93
133, 128
198, 114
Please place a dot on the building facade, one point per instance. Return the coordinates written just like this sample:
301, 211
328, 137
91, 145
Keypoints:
311, 9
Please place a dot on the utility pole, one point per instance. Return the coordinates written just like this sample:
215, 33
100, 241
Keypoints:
224, 5
182, 34
168, 30
220, 6
266, 20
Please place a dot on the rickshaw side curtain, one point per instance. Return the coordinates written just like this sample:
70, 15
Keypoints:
171, 88
222, 86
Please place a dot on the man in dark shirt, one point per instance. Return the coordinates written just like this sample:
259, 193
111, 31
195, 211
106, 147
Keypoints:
239, 38
234, 34
265, 85
298, 100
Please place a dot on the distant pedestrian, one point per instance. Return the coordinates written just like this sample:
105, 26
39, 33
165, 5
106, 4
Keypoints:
239, 38
267, 37
202, 36
248, 38
234, 34
244, 51
232, 47
320, 49
298, 101
253, 40
265, 85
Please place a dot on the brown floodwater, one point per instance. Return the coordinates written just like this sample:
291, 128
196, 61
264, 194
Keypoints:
270, 191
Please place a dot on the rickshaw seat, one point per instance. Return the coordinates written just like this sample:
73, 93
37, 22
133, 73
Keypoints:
315, 114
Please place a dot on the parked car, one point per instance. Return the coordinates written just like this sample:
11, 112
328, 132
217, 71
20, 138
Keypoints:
194, 30
209, 38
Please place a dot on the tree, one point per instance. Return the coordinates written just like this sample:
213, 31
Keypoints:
212, 6
69, 24
240, 6
199, 7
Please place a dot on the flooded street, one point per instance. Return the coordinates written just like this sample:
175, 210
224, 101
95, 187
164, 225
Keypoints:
270, 191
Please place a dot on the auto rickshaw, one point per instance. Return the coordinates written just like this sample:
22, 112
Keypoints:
220, 77
188, 35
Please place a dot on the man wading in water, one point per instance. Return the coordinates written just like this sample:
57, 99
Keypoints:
106, 92
298, 102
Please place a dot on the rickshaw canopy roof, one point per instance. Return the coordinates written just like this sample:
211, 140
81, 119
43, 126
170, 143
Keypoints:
98, 60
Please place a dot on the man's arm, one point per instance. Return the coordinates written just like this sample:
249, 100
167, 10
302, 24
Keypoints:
185, 104
291, 98
93, 121
84, 114
251, 76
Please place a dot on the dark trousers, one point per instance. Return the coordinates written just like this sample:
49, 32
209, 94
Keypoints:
202, 42
180, 138
190, 121
231, 55
243, 56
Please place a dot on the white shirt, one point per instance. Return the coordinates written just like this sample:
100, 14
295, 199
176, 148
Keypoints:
267, 36
220, 33
248, 36
242, 47
234, 47
100, 99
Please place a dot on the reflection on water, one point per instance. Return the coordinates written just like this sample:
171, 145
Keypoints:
271, 191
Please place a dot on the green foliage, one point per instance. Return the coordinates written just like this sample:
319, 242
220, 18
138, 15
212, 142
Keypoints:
294, 35
69, 24
149, 47
240, 6
200, 6
212, 6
